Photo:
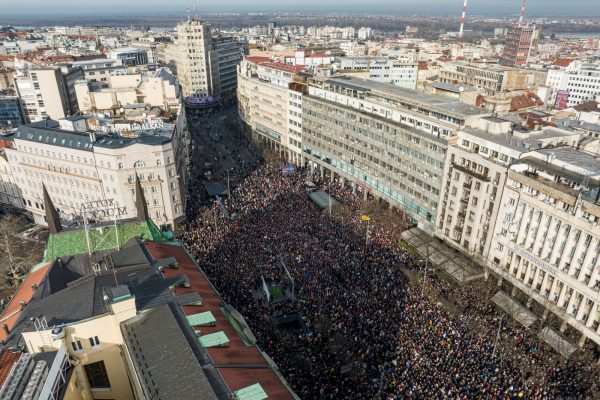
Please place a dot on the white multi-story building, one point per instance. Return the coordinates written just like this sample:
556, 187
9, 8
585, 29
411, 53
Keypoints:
10, 194
365, 33
47, 92
546, 242
206, 65
474, 175
382, 69
197, 64
153, 89
579, 81
270, 103
79, 166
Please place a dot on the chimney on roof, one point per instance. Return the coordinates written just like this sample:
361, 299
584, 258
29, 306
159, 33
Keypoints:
52, 217
5, 328
140, 201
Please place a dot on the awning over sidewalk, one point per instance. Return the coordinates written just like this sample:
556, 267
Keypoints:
514, 309
557, 342
458, 266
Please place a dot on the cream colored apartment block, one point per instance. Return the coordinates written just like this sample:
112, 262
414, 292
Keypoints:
546, 242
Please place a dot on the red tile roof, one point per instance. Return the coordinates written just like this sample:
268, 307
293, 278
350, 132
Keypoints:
239, 365
11, 313
563, 62
258, 60
7, 360
284, 67
526, 100
316, 55
588, 106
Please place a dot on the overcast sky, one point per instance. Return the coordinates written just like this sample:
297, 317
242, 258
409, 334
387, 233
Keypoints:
174, 7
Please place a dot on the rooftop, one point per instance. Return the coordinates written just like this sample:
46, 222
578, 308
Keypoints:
185, 342
535, 139
411, 97
49, 132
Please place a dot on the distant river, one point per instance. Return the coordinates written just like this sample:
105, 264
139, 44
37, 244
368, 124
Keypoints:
578, 34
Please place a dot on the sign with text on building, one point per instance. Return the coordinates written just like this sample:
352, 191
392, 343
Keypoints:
133, 126
102, 210
533, 260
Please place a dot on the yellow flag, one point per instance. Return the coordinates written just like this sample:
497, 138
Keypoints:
365, 217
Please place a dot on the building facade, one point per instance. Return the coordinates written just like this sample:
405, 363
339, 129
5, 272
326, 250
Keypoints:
10, 112
475, 173
382, 69
269, 107
47, 92
521, 43
197, 62
78, 166
547, 242
388, 140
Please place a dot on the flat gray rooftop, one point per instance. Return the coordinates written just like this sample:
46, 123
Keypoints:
533, 142
434, 102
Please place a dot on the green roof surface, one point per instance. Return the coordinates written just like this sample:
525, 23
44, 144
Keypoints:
68, 243
217, 339
252, 392
201, 319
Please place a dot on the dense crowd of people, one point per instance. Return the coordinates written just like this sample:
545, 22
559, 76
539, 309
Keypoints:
370, 331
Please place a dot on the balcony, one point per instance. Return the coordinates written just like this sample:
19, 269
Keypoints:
471, 173
468, 185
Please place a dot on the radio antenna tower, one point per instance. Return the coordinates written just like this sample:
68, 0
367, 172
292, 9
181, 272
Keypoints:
522, 17
462, 20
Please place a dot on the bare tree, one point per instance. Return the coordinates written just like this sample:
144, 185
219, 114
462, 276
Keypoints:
17, 254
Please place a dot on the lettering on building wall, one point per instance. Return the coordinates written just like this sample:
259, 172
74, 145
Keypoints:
102, 210
533, 260
134, 126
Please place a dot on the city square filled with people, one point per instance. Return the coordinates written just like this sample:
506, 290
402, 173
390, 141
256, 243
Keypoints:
376, 324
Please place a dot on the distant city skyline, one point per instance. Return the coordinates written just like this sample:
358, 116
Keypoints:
113, 7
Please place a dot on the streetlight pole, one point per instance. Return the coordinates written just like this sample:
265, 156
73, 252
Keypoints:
425, 272
228, 186
497, 336
330, 198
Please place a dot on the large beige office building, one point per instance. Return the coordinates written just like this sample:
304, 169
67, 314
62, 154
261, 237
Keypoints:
78, 165
547, 242
475, 173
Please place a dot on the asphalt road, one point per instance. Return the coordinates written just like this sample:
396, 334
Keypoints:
219, 145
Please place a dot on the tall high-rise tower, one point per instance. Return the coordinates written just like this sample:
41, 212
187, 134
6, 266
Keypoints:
197, 64
521, 42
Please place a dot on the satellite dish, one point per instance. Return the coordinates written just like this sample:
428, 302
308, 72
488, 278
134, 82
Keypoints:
144, 115
461, 89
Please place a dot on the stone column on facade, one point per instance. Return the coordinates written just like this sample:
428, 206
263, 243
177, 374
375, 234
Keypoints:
322, 172
513, 291
529, 302
545, 314
563, 326
593, 312
354, 188
365, 195
561, 296
582, 340
581, 309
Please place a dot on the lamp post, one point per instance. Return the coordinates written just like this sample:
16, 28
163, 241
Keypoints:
368, 220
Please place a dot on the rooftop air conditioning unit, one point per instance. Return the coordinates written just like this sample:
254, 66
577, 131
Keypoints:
57, 333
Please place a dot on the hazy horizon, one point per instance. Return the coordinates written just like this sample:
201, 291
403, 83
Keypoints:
37, 8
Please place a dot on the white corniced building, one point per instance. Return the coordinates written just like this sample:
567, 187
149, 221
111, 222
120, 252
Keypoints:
546, 242
79, 166
475, 173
